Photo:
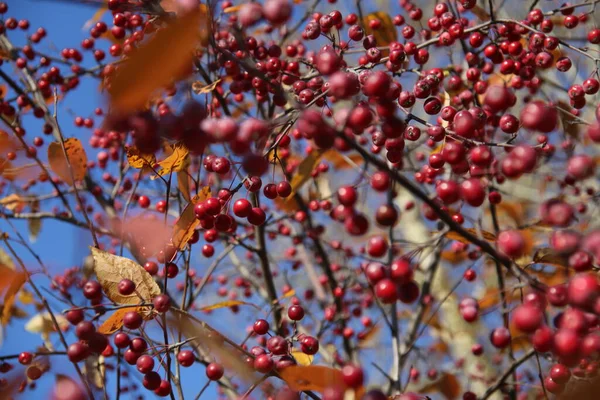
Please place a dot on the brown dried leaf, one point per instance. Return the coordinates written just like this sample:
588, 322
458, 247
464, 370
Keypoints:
481, 13
165, 57
77, 159
386, 34
115, 321
201, 88
213, 344
111, 269
138, 160
34, 224
311, 377
187, 222
447, 385
177, 161
13, 202
490, 237
569, 124
227, 303
304, 169
454, 257
550, 256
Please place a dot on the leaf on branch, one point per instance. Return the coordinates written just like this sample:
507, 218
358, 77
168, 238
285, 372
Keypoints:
34, 224
305, 168
227, 303
95, 18
183, 183
490, 237
13, 202
369, 338
200, 88
111, 269
386, 34
302, 358
11, 282
6, 261
454, 257
42, 323
311, 377
76, 157
211, 344
343, 161
569, 124
550, 256
232, 9
164, 58
187, 222
175, 162
447, 385
287, 294
94, 370
138, 160
115, 321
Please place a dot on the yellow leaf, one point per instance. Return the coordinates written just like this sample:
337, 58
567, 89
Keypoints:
342, 161
490, 237
43, 324
302, 358
12, 281
165, 57
304, 169
187, 222
94, 370
115, 321
287, 294
183, 183
111, 269
177, 161
447, 385
386, 34
138, 160
200, 88
13, 202
311, 377
26, 297
226, 303
76, 158
232, 9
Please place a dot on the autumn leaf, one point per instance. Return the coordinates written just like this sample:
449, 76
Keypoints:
550, 256
452, 235
175, 162
311, 377
570, 125
115, 321
302, 175
201, 88
232, 9
76, 158
138, 160
10, 284
34, 224
165, 57
111, 269
302, 358
481, 13
386, 33
13, 202
183, 183
227, 303
447, 385
187, 222
342, 161
454, 257
286, 295
369, 338
43, 324
94, 370
213, 344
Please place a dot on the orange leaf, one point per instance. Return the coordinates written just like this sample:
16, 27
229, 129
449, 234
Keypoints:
138, 160
177, 161
454, 257
311, 377
164, 58
490, 237
200, 88
342, 161
187, 222
115, 321
386, 33
447, 385
183, 183
12, 281
76, 158
227, 303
